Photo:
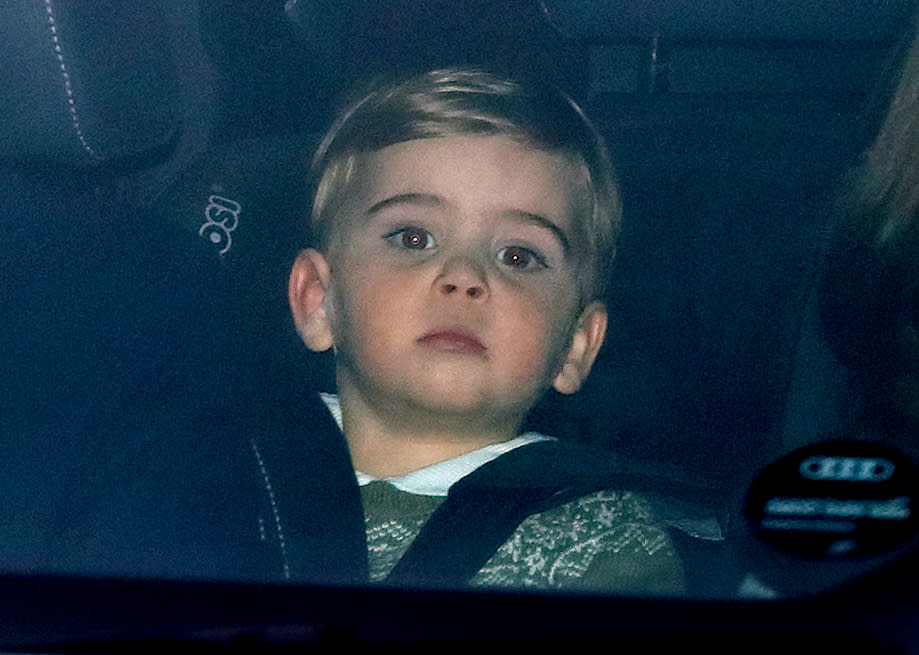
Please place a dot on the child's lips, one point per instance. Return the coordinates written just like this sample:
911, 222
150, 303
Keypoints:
453, 340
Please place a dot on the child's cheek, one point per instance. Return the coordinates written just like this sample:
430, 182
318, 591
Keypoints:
538, 340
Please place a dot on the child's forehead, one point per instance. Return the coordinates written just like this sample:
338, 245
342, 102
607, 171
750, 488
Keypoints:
498, 169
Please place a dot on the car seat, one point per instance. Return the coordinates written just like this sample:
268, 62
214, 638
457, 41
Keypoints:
97, 302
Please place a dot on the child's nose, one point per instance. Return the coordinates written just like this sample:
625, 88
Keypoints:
461, 277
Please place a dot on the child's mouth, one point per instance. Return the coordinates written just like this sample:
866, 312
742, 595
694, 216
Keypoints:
453, 340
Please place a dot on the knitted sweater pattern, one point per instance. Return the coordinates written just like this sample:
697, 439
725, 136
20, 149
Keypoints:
607, 540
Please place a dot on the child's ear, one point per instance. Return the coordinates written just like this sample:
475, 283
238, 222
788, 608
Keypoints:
306, 291
585, 345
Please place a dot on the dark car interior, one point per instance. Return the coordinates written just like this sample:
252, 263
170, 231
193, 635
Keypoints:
152, 198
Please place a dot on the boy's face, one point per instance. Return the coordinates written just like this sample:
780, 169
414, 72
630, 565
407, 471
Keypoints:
453, 287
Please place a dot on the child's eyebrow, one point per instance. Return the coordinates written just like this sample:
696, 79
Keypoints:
540, 221
418, 199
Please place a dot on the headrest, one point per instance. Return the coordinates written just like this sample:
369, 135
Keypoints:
241, 207
86, 82
244, 202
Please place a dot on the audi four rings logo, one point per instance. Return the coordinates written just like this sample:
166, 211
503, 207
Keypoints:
847, 469
222, 216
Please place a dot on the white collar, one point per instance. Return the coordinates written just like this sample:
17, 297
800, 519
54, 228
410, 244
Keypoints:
436, 480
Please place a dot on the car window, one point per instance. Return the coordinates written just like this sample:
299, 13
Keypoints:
751, 414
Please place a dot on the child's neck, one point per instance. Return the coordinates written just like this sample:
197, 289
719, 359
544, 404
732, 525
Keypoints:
394, 443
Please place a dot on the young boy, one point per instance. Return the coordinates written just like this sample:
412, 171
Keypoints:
463, 226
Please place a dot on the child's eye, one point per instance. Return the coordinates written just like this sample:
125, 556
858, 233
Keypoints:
411, 238
521, 258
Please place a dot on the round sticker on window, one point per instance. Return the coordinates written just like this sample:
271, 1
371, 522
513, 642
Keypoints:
838, 499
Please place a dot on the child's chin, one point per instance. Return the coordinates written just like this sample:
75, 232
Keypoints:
471, 402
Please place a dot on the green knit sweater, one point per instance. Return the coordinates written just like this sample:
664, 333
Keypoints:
607, 541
